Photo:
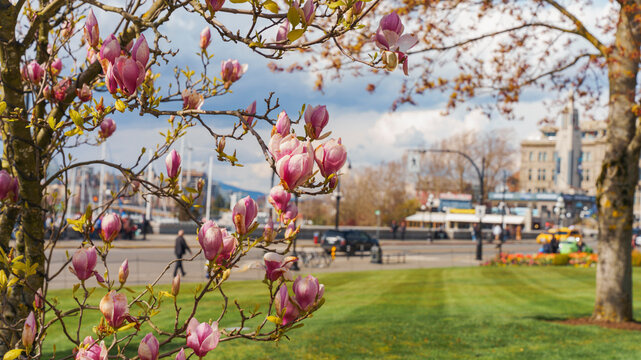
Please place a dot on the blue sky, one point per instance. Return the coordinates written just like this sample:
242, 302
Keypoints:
370, 132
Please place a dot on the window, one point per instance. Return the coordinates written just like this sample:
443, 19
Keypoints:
540, 156
545, 156
587, 156
543, 175
587, 175
529, 173
531, 156
538, 174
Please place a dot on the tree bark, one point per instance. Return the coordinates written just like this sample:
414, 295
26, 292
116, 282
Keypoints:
618, 179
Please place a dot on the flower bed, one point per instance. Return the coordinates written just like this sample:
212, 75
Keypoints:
574, 259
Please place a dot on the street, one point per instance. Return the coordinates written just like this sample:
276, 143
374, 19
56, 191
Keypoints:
147, 259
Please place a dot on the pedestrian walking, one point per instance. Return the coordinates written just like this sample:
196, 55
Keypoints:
518, 233
394, 228
179, 250
403, 227
496, 230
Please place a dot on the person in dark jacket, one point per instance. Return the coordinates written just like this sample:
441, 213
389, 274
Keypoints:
179, 250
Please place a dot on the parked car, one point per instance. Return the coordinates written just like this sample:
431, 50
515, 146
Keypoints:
561, 234
348, 241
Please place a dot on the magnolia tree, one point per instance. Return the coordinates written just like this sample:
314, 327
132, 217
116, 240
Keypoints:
65, 73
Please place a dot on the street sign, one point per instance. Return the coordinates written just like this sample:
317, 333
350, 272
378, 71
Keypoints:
413, 163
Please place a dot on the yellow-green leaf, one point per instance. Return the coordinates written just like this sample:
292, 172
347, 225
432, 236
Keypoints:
295, 34
3, 279
126, 327
275, 319
336, 4
165, 294
238, 1
293, 16
12, 354
271, 6
120, 105
3, 107
52, 123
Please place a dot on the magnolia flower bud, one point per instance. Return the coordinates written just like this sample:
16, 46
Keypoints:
279, 198
390, 60
277, 265
123, 272
215, 5
231, 71
33, 72
202, 337
175, 285
110, 227
129, 73
307, 12
148, 348
84, 93
221, 144
114, 308
29, 331
285, 308
181, 355
283, 125
295, 170
205, 38
307, 291
244, 213
107, 128
316, 118
172, 162
60, 90
210, 238
83, 263
140, 51
192, 100
38, 299
56, 66
249, 119
268, 231
289, 214
91, 31
291, 230
200, 184
283, 31
330, 157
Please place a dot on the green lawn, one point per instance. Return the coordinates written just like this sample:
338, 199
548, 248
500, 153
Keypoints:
456, 313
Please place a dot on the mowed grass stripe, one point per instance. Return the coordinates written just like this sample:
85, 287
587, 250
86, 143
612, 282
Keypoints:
455, 313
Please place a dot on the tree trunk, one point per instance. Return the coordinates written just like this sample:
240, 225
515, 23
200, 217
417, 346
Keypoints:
618, 179
25, 160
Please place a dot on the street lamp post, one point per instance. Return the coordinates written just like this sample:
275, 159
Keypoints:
481, 175
558, 210
430, 204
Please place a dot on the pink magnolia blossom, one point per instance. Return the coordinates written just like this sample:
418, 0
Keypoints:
307, 291
110, 227
60, 89
67, 29
129, 74
289, 214
277, 265
202, 337
215, 5
92, 55
295, 170
283, 31
90, 350
231, 71
205, 38
115, 309
33, 72
330, 157
283, 125
291, 230
244, 213
279, 198
286, 309
172, 162
316, 118
279, 145
56, 66
192, 100
148, 348
389, 37
230, 243
110, 49
91, 31
107, 128
249, 118
123, 272
83, 264
7, 185
357, 8
140, 51
210, 238
46, 92
306, 12
110, 79
181, 355
29, 331
38, 299
84, 93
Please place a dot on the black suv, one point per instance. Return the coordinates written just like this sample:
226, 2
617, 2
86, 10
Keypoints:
348, 241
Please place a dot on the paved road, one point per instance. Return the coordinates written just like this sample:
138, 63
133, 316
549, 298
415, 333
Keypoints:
148, 259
